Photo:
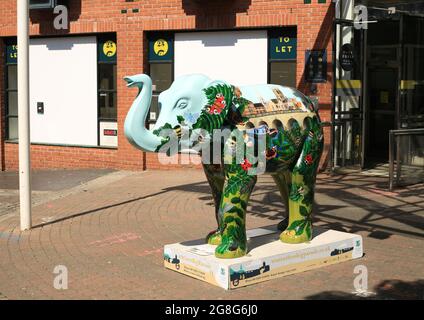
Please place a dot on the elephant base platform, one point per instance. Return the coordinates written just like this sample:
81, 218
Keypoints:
268, 258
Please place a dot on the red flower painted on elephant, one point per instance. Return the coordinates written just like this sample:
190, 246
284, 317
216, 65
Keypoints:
218, 105
308, 159
245, 165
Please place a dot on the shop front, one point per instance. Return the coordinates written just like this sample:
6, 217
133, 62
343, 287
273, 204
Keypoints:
378, 84
79, 101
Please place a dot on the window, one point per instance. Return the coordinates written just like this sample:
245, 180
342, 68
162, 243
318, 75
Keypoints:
283, 73
107, 77
161, 65
11, 91
161, 74
282, 55
96, 97
42, 4
107, 92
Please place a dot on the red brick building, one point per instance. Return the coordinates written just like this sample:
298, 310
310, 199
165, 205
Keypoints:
133, 26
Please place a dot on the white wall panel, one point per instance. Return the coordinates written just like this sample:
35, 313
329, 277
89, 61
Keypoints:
63, 75
239, 57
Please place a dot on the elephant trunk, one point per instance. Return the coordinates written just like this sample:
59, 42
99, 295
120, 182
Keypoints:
134, 126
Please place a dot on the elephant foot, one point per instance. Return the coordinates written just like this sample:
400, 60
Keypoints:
214, 238
299, 231
231, 249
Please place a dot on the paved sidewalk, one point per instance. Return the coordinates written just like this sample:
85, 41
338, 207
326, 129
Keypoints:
110, 235
48, 185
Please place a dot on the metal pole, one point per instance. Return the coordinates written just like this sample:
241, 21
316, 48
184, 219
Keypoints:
391, 160
333, 158
23, 114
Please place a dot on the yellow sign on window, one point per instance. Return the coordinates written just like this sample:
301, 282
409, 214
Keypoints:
109, 48
160, 47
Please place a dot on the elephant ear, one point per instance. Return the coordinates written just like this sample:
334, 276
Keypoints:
219, 96
218, 99
224, 105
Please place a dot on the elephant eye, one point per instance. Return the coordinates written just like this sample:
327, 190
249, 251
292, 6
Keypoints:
182, 104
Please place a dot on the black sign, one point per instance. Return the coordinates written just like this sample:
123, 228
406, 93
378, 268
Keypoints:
282, 44
107, 48
11, 53
161, 47
316, 66
347, 57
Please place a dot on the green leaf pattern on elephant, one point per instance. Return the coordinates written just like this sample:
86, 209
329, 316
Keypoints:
297, 191
235, 200
308, 197
286, 148
209, 120
238, 182
180, 119
304, 211
237, 211
299, 225
234, 234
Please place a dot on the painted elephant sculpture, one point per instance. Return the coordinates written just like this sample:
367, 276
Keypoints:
283, 119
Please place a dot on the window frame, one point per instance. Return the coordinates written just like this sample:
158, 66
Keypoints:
156, 93
6, 98
270, 60
171, 62
100, 90
114, 91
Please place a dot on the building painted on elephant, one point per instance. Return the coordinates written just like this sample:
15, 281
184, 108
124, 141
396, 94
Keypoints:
78, 99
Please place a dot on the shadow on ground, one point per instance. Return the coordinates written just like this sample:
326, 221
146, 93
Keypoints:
348, 203
52, 180
385, 290
382, 213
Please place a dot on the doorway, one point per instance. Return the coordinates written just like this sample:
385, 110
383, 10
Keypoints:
394, 77
383, 54
382, 112
388, 68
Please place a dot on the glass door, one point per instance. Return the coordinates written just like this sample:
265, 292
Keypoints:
347, 112
410, 147
412, 83
382, 99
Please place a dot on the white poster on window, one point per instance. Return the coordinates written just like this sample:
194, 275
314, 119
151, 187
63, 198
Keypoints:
63, 90
238, 57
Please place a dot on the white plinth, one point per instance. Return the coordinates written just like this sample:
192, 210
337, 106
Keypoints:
268, 258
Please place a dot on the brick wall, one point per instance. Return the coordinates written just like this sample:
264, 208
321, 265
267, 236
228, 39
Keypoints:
313, 23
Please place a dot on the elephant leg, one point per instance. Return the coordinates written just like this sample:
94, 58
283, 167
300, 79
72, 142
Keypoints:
301, 195
215, 176
283, 179
237, 189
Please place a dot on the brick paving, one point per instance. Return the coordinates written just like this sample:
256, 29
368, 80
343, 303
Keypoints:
110, 238
47, 185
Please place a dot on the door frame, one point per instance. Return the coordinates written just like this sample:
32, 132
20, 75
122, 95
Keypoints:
362, 58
